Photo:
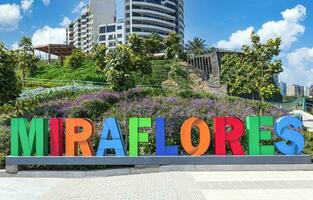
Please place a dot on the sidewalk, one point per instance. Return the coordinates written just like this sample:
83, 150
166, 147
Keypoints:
168, 185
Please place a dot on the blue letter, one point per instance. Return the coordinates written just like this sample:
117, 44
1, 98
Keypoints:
161, 149
285, 129
111, 126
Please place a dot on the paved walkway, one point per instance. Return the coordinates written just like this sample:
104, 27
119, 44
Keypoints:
169, 185
306, 117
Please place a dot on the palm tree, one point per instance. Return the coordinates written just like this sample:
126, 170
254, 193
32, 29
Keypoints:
197, 46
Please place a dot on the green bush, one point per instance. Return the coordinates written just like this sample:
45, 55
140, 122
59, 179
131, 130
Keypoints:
75, 60
90, 109
160, 70
308, 143
9, 85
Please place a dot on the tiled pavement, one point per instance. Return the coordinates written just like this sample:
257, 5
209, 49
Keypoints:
168, 185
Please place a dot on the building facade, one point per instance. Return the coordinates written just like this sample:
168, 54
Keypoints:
112, 34
83, 32
144, 17
283, 88
295, 90
98, 23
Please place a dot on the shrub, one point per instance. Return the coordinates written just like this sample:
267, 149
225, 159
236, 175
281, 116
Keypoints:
75, 60
90, 109
122, 62
308, 143
9, 84
98, 54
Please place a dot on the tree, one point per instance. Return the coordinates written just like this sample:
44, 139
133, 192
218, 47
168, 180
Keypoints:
252, 71
99, 53
75, 60
136, 43
121, 62
27, 61
173, 45
197, 46
153, 44
9, 86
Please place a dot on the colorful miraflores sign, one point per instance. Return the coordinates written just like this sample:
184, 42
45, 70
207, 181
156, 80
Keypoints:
72, 136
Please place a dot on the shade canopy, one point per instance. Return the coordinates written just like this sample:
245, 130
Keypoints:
60, 50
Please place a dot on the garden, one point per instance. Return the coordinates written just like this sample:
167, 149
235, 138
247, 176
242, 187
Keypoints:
126, 82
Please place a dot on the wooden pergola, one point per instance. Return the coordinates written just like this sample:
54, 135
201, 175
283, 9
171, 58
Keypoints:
60, 50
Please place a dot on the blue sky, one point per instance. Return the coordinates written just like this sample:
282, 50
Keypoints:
222, 23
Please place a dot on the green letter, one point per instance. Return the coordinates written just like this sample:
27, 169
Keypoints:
255, 135
24, 137
135, 136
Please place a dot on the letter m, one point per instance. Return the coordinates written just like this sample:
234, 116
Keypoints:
28, 139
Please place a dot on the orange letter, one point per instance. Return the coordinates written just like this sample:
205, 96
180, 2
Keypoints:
204, 133
78, 131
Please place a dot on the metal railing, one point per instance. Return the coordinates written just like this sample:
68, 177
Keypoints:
63, 82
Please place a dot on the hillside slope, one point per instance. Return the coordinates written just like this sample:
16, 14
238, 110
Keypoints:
197, 82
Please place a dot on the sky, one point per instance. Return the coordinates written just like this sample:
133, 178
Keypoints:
221, 23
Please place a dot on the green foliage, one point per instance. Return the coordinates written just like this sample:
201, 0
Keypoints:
252, 71
98, 54
197, 46
153, 44
90, 109
173, 45
179, 75
160, 70
308, 149
136, 43
27, 61
9, 85
121, 63
55, 71
75, 60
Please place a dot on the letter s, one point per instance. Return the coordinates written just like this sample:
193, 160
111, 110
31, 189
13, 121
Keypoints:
285, 129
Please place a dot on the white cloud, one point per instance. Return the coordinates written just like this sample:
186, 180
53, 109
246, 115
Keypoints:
46, 2
294, 14
9, 17
299, 67
79, 7
289, 29
26, 4
47, 35
237, 39
15, 46
66, 21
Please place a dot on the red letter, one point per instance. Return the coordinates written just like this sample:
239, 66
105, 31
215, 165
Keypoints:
56, 137
232, 137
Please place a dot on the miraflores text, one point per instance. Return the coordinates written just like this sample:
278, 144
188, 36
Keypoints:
73, 136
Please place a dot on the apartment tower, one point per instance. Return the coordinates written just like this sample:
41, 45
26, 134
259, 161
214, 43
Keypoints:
84, 31
144, 17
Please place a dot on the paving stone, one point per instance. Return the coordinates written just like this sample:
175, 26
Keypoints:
265, 185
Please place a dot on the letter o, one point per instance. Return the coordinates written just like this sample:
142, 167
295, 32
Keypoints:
204, 134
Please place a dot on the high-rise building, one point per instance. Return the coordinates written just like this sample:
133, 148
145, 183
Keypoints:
84, 31
283, 88
112, 34
295, 90
98, 24
311, 91
144, 17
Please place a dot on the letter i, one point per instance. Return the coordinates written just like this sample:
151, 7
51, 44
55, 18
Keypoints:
56, 137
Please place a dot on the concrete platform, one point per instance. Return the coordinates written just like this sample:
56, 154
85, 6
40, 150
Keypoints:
158, 164
159, 160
